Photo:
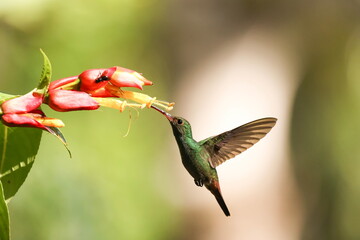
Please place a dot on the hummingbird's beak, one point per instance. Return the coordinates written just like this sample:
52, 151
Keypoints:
167, 115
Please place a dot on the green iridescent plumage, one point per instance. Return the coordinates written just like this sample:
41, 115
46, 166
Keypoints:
201, 158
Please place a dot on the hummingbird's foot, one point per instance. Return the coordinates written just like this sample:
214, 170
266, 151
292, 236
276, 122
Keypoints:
198, 182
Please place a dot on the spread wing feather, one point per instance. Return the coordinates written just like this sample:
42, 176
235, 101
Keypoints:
231, 143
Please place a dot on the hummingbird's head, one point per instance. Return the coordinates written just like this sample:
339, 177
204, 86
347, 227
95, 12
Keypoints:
180, 126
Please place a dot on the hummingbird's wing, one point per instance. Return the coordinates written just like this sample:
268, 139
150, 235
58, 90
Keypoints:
231, 143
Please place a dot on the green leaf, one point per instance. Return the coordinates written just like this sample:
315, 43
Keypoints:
18, 148
4, 217
58, 134
45, 75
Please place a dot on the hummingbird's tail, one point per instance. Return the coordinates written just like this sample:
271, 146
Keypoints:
214, 188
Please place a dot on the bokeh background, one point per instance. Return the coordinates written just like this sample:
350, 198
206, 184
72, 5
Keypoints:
224, 63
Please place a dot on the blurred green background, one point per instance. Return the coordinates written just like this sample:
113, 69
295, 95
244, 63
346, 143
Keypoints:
126, 188
108, 189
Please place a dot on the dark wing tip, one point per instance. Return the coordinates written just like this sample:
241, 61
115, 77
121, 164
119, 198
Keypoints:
272, 120
266, 120
231, 143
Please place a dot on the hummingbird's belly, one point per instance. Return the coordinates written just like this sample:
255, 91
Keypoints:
194, 170
199, 169
195, 161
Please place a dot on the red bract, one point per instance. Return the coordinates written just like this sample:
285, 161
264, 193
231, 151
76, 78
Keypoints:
100, 83
88, 91
94, 79
21, 120
36, 119
64, 82
68, 100
123, 77
102, 92
23, 112
22, 104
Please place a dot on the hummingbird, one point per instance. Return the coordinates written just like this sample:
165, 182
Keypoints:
201, 158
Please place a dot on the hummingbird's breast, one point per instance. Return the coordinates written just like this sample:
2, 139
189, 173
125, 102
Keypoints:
195, 160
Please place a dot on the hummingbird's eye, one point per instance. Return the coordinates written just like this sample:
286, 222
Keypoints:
179, 121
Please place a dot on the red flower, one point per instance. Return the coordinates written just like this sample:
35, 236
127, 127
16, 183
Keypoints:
65, 83
68, 100
94, 79
22, 104
101, 83
88, 91
35, 118
23, 112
